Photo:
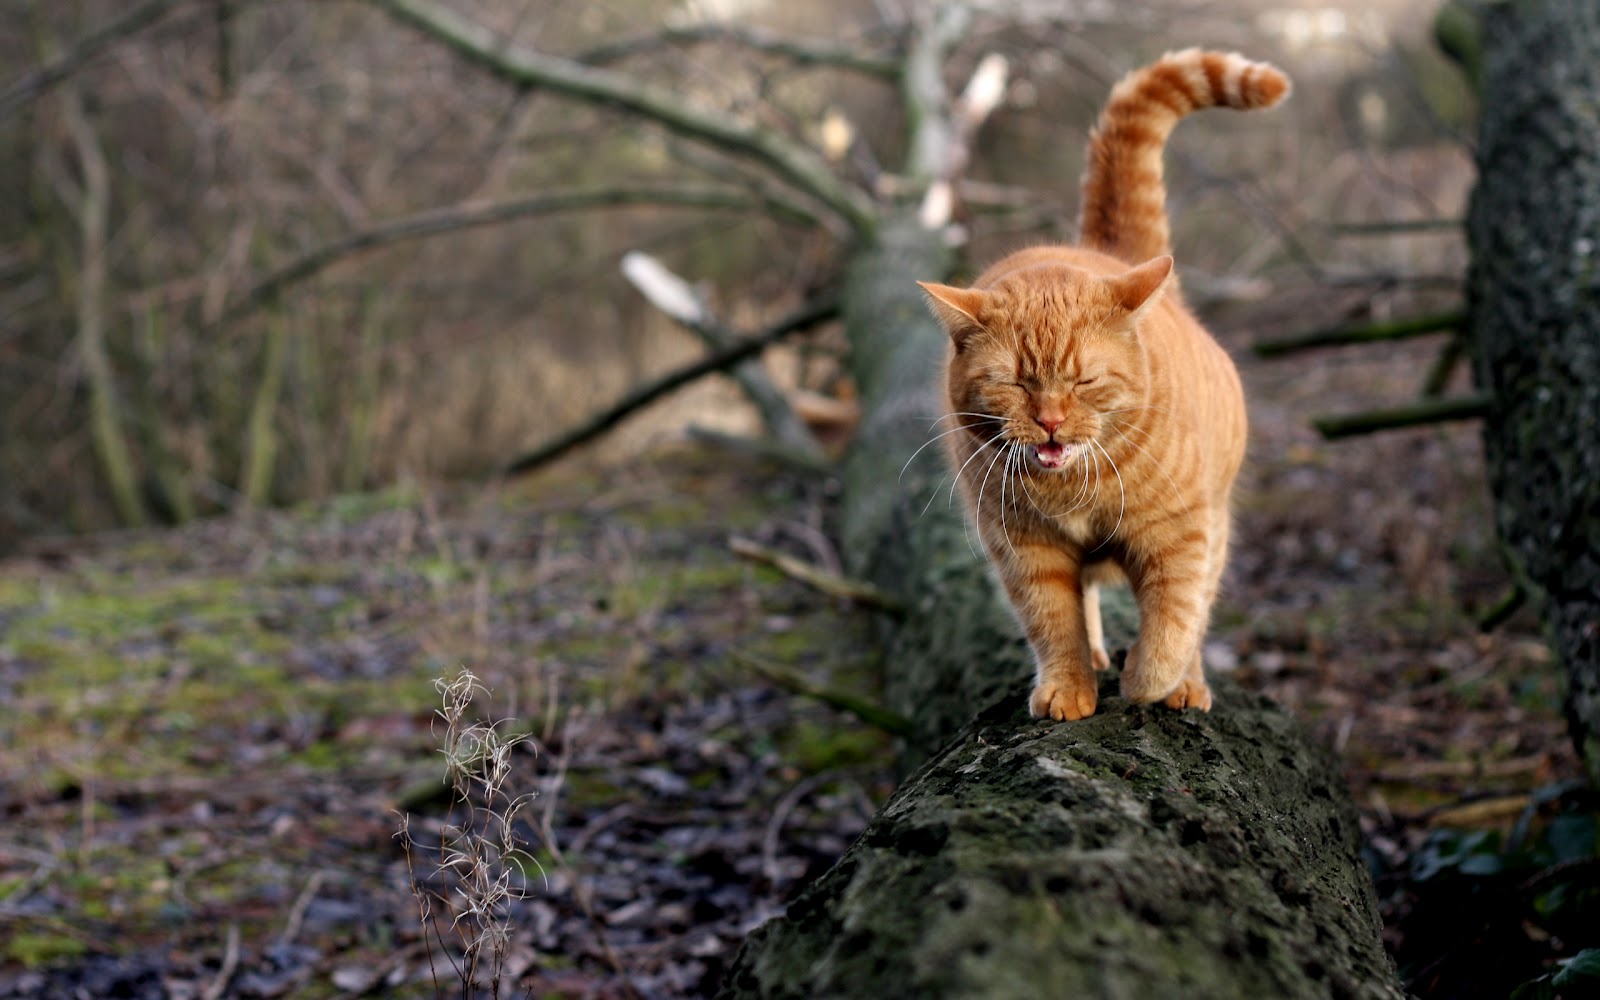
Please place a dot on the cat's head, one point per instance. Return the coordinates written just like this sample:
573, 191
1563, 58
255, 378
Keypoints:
1042, 354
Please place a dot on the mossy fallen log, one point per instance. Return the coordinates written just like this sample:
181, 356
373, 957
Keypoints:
1138, 853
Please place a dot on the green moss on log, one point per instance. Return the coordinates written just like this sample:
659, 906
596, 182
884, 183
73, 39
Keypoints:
1139, 853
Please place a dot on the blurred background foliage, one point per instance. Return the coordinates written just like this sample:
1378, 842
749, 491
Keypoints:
152, 370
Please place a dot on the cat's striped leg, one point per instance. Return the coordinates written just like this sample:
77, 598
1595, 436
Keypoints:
1173, 590
1193, 691
1042, 579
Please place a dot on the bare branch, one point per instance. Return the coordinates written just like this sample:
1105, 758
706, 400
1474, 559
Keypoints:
467, 216
806, 317
673, 296
1399, 329
811, 52
941, 128
830, 583
790, 680
796, 163
41, 78
1427, 411
927, 99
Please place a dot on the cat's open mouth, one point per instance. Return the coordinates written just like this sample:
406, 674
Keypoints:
1052, 454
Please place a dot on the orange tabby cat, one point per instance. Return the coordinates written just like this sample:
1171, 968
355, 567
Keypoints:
1100, 426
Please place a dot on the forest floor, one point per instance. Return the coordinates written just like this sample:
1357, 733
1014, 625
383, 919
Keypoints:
212, 733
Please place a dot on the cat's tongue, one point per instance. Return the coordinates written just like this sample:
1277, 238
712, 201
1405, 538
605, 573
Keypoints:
1051, 454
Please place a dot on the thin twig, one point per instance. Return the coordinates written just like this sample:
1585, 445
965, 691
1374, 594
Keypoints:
230, 963
873, 715
297, 912
780, 816
592, 829
453, 218
800, 50
833, 584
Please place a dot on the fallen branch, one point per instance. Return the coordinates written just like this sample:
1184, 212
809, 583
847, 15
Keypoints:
807, 316
678, 299
873, 715
1400, 329
833, 584
435, 221
1428, 411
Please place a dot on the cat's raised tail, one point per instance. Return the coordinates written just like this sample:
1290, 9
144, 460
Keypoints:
1124, 197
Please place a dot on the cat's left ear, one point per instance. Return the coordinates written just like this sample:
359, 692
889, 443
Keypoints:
957, 308
1139, 289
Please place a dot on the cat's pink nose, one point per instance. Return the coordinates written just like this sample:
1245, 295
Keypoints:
1049, 423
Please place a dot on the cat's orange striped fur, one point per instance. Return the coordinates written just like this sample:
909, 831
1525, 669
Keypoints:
1099, 427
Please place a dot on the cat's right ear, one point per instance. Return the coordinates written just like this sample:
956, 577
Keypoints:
957, 308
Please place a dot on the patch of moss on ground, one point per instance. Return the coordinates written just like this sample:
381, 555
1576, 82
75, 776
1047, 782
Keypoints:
36, 948
823, 745
206, 716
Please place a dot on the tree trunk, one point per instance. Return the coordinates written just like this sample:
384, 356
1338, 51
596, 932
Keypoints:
1534, 304
1139, 853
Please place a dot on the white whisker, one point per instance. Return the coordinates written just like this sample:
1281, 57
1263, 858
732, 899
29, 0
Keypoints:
1082, 497
1122, 508
983, 487
1005, 475
933, 495
975, 453
924, 445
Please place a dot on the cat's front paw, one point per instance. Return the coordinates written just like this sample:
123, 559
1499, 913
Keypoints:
1190, 694
1062, 702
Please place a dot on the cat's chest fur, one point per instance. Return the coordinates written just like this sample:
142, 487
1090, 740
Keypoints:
1075, 508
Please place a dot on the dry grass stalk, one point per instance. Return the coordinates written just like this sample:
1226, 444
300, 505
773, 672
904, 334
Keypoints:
483, 860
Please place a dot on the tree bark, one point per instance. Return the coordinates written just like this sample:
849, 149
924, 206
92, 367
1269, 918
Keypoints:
1139, 853
1534, 321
